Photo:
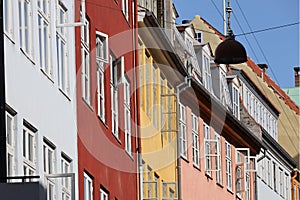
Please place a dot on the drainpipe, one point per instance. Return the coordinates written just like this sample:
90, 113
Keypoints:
137, 100
3, 172
186, 84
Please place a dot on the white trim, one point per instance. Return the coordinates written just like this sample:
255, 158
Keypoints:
88, 183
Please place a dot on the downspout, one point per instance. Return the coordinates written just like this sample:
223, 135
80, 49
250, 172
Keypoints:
3, 170
255, 180
137, 100
186, 83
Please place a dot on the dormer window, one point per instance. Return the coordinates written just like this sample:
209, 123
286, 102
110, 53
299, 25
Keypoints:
199, 36
206, 73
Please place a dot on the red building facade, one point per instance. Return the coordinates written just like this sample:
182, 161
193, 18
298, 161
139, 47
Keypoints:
106, 111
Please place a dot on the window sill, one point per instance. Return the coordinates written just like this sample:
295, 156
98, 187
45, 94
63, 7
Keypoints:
118, 140
10, 37
196, 167
26, 54
220, 185
103, 122
65, 94
230, 191
130, 155
184, 158
47, 75
208, 176
90, 107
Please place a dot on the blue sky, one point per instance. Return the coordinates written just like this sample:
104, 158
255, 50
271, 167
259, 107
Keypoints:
280, 47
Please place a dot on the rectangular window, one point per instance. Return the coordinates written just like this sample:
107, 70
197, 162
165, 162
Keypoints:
235, 101
228, 165
85, 63
127, 117
199, 36
125, 8
88, 187
44, 36
49, 167
10, 143
207, 147
8, 17
66, 182
182, 130
103, 194
29, 149
101, 59
281, 182
248, 194
62, 51
116, 77
218, 160
25, 27
207, 74
195, 136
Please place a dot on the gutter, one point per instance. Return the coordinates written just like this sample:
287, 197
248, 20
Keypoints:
3, 170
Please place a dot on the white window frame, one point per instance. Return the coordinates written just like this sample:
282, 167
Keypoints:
44, 35
182, 130
219, 177
62, 50
85, 63
88, 184
66, 182
10, 143
49, 158
26, 44
247, 186
207, 148
207, 73
103, 194
8, 22
116, 65
195, 136
235, 101
101, 59
125, 9
29, 159
199, 39
228, 159
127, 116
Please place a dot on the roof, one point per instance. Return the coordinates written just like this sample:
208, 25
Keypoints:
294, 94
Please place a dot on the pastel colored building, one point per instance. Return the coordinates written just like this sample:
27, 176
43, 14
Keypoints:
106, 100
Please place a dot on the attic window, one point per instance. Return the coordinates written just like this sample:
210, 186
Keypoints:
199, 36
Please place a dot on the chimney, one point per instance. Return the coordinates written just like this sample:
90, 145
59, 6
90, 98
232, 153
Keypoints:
297, 78
264, 68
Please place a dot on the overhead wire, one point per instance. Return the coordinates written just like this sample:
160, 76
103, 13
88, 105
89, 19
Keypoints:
260, 48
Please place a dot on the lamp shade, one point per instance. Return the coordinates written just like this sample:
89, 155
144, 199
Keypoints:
230, 51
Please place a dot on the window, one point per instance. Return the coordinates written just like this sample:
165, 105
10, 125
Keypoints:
62, 51
269, 172
88, 187
248, 194
239, 173
195, 136
182, 130
235, 101
85, 63
199, 36
103, 194
228, 165
101, 59
127, 118
116, 77
281, 182
218, 160
49, 167
25, 27
44, 36
287, 187
207, 147
8, 17
66, 182
125, 8
207, 74
29, 149
10, 143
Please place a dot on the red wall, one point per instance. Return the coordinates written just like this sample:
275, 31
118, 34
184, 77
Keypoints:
100, 154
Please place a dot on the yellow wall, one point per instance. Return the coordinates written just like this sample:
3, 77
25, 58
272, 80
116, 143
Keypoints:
158, 146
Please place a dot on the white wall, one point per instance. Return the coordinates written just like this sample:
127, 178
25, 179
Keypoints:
37, 99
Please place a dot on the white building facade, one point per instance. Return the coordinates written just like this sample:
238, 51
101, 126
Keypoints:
40, 83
